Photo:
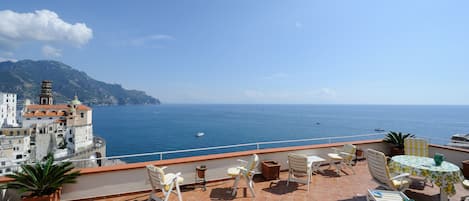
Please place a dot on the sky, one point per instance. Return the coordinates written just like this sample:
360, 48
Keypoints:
254, 52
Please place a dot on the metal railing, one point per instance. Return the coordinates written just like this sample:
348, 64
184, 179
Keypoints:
257, 145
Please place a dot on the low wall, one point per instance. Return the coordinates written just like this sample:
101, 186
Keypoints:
129, 178
453, 155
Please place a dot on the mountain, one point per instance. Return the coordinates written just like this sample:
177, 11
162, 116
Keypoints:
24, 78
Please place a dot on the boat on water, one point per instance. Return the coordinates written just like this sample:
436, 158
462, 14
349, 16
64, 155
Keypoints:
460, 141
199, 134
379, 129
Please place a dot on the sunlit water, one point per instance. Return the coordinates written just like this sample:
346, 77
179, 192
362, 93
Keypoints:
154, 128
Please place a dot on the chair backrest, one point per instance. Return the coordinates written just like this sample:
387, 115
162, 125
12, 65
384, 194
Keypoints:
298, 163
157, 178
351, 149
252, 164
378, 166
416, 147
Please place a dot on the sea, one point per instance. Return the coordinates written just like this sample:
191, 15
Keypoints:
136, 129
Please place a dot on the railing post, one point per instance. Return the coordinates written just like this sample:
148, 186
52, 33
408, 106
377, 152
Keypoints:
161, 156
257, 146
330, 140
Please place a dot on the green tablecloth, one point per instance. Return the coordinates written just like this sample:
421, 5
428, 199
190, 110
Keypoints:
444, 176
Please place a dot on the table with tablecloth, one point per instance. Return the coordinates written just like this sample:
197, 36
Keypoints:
444, 176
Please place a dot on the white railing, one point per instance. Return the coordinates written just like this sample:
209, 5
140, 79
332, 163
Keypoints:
257, 145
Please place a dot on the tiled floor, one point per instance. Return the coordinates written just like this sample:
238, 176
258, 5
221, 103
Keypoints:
324, 187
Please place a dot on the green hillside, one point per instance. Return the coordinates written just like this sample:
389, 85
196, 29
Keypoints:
24, 78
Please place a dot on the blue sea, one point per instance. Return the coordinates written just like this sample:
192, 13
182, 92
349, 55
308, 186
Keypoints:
155, 128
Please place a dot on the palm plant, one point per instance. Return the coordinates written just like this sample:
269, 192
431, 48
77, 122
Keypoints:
43, 178
397, 138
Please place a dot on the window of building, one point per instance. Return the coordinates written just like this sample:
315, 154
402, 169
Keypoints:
82, 115
39, 118
19, 156
3, 163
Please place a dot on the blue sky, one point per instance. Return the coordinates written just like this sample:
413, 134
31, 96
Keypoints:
313, 52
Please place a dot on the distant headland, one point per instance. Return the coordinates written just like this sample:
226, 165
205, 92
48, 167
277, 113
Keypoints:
22, 77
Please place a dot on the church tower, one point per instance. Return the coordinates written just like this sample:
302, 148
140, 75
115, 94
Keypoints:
46, 97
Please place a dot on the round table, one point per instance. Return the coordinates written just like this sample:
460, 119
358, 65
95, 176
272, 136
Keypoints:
444, 176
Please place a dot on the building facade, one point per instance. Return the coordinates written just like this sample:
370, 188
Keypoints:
64, 130
8, 110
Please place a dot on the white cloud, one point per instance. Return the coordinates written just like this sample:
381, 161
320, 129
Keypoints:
50, 51
327, 93
7, 59
275, 76
298, 25
150, 38
322, 95
40, 25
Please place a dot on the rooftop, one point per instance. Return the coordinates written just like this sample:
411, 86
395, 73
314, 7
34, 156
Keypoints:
130, 181
325, 186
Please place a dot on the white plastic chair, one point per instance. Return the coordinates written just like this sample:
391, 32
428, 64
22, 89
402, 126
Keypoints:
165, 182
416, 147
298, 166
246, 170
378, 167
342, 157
9, 195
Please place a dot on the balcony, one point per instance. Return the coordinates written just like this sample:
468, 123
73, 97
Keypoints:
130, 181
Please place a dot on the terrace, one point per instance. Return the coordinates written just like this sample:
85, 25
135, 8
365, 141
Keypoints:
130, 181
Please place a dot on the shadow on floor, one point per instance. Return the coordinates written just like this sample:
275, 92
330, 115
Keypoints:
356, 198
225, 193
421, 196
280, 187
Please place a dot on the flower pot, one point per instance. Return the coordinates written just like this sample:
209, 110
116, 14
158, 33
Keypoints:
465, 168
397, 151
201, 172
52, 197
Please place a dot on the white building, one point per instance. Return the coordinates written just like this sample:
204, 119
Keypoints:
8, 110
14, 150
58, 126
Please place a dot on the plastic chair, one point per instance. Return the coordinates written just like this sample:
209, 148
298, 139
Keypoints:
165, 182
342, 157
246, 170
378, 167
298, 166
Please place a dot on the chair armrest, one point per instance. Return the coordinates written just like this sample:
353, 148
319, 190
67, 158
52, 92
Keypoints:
345, 153
400, 176
242, 168
164, 167
336, 150
173, 178
242, 161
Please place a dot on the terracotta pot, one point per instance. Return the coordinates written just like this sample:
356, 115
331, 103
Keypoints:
359, 153
397, 151
52, 197
201, 172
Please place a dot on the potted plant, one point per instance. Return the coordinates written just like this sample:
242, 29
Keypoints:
42, 181
201, 171
397, 140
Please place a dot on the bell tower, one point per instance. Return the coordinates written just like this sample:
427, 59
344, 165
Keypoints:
46, 98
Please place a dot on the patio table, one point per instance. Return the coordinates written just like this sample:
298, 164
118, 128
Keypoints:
315, 162
444, 176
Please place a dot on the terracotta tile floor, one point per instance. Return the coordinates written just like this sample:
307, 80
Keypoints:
324, 187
